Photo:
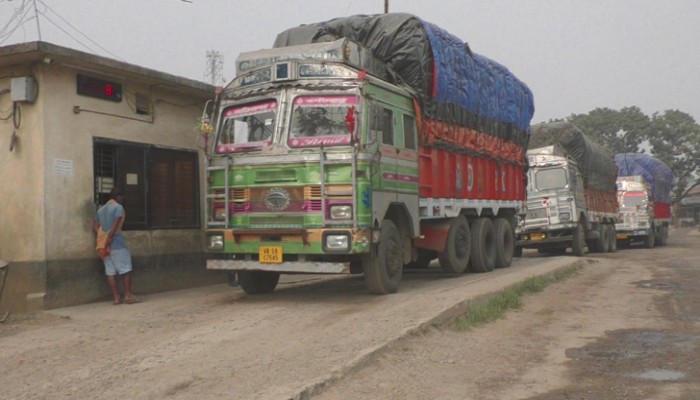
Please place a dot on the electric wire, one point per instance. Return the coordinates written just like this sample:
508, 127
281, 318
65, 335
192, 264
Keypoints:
77, 30
8, 31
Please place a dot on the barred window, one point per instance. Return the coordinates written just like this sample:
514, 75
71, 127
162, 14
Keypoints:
161, 186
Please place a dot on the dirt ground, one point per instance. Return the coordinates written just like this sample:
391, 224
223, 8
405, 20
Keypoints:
627, 327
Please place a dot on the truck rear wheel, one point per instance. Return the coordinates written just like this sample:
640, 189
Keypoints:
504, 243
384, 266
258, 282
578, 242
455, 258
603, 242
663, 236
649, 240
483, 245
612, 239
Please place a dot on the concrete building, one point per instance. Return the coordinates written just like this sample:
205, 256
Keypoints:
689, 212
73, 125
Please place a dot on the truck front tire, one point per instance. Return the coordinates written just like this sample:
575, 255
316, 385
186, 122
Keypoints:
384, 267
258, 282
578, 242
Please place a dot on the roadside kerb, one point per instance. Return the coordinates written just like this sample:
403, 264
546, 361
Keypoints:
497, 284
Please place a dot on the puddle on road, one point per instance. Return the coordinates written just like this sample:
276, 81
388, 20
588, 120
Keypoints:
660, 375
658, 285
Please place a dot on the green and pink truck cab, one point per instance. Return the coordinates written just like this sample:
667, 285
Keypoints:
336, 152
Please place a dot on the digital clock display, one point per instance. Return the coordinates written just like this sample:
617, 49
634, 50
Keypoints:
88, 86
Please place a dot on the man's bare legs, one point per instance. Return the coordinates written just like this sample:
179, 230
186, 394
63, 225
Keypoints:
112, 281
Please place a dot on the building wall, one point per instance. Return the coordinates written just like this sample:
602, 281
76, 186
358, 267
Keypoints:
48, 191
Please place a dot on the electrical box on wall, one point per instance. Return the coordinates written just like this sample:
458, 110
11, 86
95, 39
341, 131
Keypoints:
23, 89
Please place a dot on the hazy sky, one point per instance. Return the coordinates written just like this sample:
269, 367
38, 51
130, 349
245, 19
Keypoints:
575, 55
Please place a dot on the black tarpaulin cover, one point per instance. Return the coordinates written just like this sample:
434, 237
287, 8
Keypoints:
453, 84
597, 163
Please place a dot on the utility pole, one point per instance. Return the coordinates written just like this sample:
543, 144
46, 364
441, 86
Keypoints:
386, 6
215, 66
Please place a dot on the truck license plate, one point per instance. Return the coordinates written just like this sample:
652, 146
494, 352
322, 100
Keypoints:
270, 254
622, 236
537, 236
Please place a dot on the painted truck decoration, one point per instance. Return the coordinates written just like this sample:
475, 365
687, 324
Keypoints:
644, 186
571, 200
366, 145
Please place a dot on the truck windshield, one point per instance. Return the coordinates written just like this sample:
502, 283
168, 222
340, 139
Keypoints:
322, 120
634, 200
552, 178
247, 127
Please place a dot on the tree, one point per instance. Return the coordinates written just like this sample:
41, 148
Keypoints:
674, 137
621, 131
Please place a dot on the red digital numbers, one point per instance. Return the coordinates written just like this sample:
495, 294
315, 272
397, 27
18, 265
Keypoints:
109, 90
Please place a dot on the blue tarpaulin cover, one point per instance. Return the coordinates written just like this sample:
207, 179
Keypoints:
658, 176
453, 84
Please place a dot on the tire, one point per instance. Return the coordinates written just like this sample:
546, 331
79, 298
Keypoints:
612, 239
518, 251
505, 241
578, 241
483, 258
455, 258
383, 267
650, 241
663, 235
603, 242
258, 282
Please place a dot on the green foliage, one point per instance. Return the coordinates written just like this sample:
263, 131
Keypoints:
621, 131
672, 136
509, 299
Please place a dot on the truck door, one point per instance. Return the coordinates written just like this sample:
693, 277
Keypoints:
384, 170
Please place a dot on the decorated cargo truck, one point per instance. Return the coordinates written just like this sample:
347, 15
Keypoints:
644, 186
571, 193
366, 144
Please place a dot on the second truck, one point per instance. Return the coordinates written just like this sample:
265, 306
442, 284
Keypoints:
572, 195
365, 145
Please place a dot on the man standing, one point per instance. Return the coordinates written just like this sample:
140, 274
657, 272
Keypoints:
112, 247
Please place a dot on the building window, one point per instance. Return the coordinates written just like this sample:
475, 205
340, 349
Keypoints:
143, 104
161, 186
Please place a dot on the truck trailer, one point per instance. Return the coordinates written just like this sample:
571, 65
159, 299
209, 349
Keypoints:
365, 144
644, 186
571, 193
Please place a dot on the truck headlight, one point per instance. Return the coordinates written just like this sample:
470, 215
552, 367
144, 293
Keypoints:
215, 242
336, 242
341, 212
565, 216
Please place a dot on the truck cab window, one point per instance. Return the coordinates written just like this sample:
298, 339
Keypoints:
553, 178
314, 116
241, 125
